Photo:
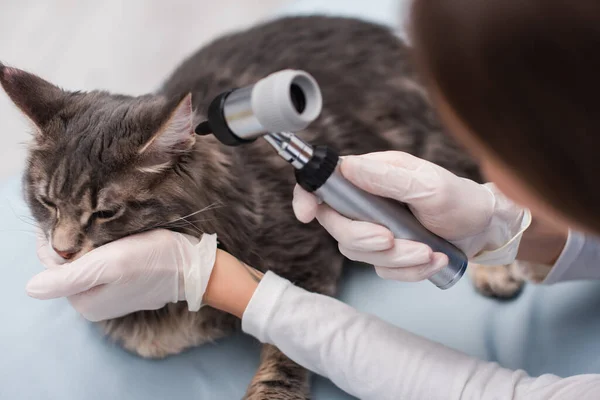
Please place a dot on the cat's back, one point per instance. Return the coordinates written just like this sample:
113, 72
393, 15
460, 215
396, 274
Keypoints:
341, 53
372, 98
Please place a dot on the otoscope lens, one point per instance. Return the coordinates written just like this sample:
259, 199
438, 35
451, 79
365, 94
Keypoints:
298, 98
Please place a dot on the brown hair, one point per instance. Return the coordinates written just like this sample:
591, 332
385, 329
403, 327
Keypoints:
524, 77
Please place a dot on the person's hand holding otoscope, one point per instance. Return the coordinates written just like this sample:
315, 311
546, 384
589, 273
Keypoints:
288, 101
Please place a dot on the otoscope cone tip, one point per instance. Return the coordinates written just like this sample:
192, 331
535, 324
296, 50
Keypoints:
203, 128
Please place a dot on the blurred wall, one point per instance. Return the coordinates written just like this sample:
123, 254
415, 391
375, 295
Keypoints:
126, 46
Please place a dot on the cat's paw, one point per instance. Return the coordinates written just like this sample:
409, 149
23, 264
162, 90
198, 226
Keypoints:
275, 390
529, 271
153, 348
496, 281
149, 339
168, 331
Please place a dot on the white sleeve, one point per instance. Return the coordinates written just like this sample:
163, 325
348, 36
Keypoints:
580, 259
371, 359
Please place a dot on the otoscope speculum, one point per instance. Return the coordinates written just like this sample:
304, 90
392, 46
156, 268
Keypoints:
286, 101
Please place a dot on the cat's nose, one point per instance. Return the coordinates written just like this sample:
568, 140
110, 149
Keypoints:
66, 254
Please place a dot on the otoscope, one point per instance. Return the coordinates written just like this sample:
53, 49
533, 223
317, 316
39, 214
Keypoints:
288, 101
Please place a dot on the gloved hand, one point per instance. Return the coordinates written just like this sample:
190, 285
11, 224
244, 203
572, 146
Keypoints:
139, 272
476, 218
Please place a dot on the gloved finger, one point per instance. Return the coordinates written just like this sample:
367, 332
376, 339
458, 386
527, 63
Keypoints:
67, 280
45, 253
83, 304
304, 205
393, 157
417, 273
92, 304
387, 180
403, 254
354, 235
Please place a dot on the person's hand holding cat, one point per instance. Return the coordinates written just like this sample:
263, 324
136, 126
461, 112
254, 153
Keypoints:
140, 272
476, 218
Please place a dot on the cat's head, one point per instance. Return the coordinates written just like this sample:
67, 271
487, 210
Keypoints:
100, 166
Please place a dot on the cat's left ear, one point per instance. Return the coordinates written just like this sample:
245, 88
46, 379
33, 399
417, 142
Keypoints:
175, 137
38, 99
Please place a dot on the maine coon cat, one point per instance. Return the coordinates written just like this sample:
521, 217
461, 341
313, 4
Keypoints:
102, 166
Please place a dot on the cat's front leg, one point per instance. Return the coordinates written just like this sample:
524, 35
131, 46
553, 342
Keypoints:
278, 378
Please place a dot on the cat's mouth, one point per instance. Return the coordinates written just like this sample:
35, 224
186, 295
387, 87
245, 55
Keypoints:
86, 248
72, 255
76, 256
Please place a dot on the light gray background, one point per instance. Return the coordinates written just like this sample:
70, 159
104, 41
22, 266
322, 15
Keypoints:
126, 46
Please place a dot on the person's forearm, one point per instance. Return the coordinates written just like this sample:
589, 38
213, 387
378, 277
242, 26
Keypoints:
231, 285
364, 355
542, 242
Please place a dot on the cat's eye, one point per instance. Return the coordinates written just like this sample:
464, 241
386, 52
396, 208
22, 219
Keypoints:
47, 203
104, 214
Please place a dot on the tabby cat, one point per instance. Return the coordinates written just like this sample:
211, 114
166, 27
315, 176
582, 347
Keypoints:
102, 166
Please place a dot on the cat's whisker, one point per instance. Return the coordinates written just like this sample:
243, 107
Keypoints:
216, 204
32, 233
26, 219
207, 208
197, 229
184, 218
23, 218
182, 223
12, 209
186, 222
34, 224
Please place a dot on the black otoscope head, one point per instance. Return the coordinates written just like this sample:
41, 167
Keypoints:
217, 124
203, 129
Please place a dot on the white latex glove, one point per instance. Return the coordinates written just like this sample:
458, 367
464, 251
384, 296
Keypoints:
476, 218
139, 272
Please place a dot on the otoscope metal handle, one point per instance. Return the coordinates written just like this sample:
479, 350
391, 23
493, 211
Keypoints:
357, 204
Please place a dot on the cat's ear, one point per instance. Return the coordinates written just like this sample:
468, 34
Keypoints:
175, 137
39, 100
